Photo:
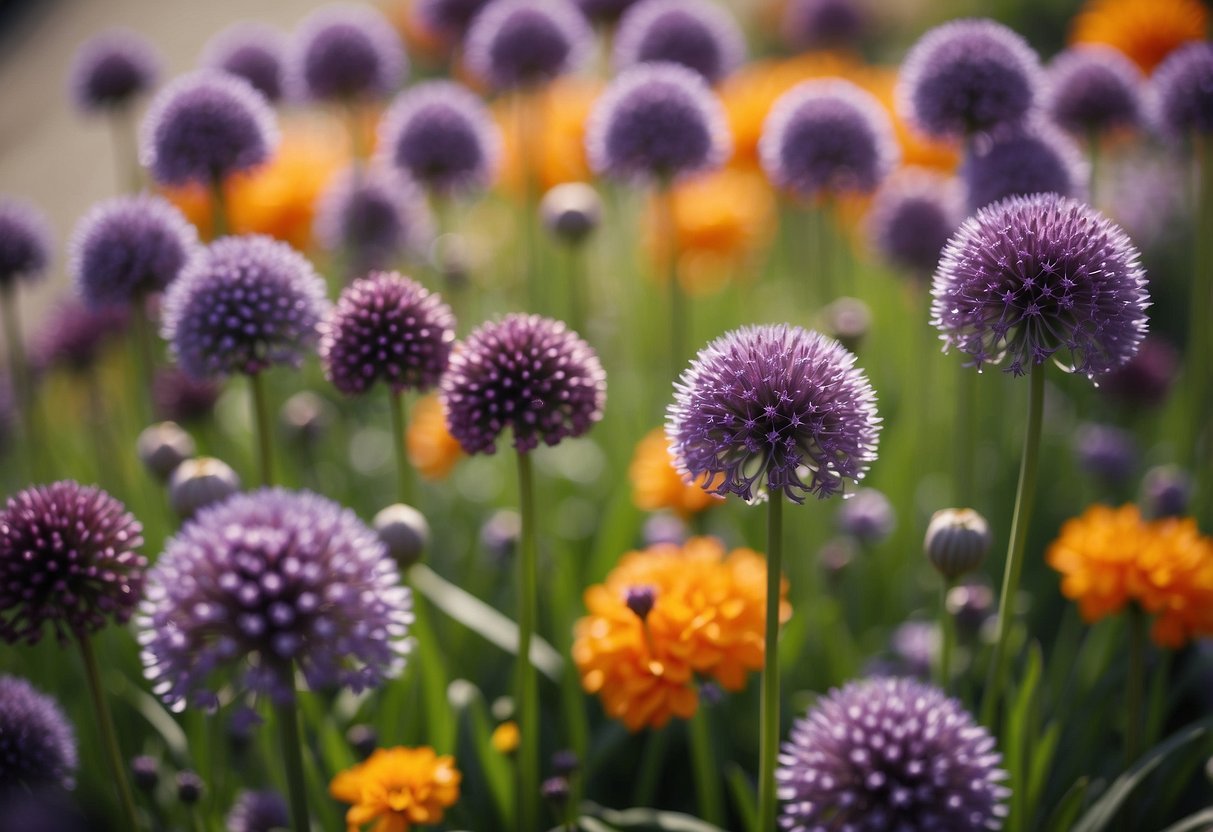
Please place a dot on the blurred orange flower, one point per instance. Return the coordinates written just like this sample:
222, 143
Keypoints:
556, 138
506, 738
656, 485
432, 450
1146, 31
916, 149
397, 789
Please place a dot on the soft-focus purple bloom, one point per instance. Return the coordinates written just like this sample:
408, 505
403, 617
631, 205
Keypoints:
243, 305
25, 242
266, 582
72, 335
913, 215
967, 76
777, 408
530, 374
868, 517
1093, 89
698, 34
372, 218
1021, 161
556, 791
37, 744
1033, 278
499, 534
971, 605
387, 328
68, 560
823, 24
656, 122
914, 649
111, 69
1167, 490
520, 43
190, 786
846, 320
663, 528
1145, 379
1183, 91
254, 52
604, 11
890, 754
263, 811
347, 52
363, 739
449, 19
179, 397
1148, 195
204, 126
571, 211
145, 772
1106, 452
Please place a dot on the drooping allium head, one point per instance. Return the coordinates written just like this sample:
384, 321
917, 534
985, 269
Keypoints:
441, 135
913, 215
967, 76
823, 24
265, 581
25, 241
529, 374
1033, 278
448, 19
521, 43
372, 217
244, 304
37, 743
827, 136
882, 754
73, 335
657, 122
204, 126
773, 408
604, 11
1183, 92
1020, 161
67, 560
111, 69
1093, 89
263, 811
254, 52
698, 34
347, 52
387, 328
129, 247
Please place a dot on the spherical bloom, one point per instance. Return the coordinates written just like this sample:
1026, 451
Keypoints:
432, 451
777, 407
1093, 89
527, 373
68, 559
706, 620
111, 69
656, 483
883, 754
1144, 30
267, 581
387, 327
398, 788
254, 52
129, 247
200, 482
1106, 452
967, 76
179, 397
404, 531
914, 649
521, 43
73, 336
1167, 490
1029, 279
847, 321
656, 122
243, 305
145, 772
868, 517
698, 34
37, 744
1183, 92
571, 212
441, 135
957, 541
347, 52
25, 242
258, 812
913, 215
827, 136
604, 11
823, 24
1022, 161
448, 19
1145, 379
372, 217
204, 126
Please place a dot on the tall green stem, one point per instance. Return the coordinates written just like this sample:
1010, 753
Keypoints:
292, 758
527, 705
1135, 685
668, 245
219, 215
109, 736
769, 716
525, 140
964, 446
404, 479
707, 774
19, 369
261, 419
947, 636
144, 356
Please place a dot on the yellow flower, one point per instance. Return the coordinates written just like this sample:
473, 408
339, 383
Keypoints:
656, 485
397, 789
432, 450
1146, 31
506, 737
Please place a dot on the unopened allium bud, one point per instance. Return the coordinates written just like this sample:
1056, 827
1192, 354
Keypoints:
189, 787
197, 483
571, 212
1167, 491
145, 772
499, 534
306, 417
164, 446
957, 541
847, 320
971, 606
405, 532
363, 739
640, 600
555, 790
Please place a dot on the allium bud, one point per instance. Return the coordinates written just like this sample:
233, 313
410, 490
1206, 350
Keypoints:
197, 483
1168, 489
164, 446
306, 417
499, 534
189, 787
364, 739
957, 541
145, 773
405, 532
971, 605
847, 320
571, 212
555, 790
640, 600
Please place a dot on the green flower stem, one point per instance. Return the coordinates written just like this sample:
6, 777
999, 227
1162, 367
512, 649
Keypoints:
404, 479
292, 758
707, 773
678, 300
126, 150
1135, 685
19, 373
768, 750
109, 736
524, 106
964, 448
527, 696
261, 420
144, 356
219, 213
947, 636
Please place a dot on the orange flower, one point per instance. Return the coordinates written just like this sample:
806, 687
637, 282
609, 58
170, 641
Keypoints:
707, 619
506, 737
916, 149
557, 135
1146, 31
431, 448
656, 485
397, 788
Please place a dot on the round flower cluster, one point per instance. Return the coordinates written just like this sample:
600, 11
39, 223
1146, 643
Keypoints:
823, 24
1022, 161
697, 34
398, 788
73, 335
111, 69
446, 19
37, 744
656, 483
521, 43
346, 52
254, 52
913, 215
258, 812
1183, 91
25, 242
1093, 89
372, 218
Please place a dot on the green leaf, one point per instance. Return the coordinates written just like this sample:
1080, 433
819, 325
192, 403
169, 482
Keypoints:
1018, 734
467, 700
1199, 822
1064, 815
649, 820
743, 796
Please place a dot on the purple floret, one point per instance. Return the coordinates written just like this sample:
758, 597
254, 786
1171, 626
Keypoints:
346, 52
521, 43
263, 811
1021, 161
913, 215
37, 743
823, 24
1183, 92
449, 19
698, 34
1093, 89
868, 517
111, 69
25, 242
179, 397
372, 218
1106, 452
73, 334
254, 52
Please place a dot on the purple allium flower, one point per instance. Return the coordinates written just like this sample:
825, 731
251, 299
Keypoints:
604, 11
244, 304
698, 34
640, 600
967, 76
387, 328
265, 581
449, 19
868, 517
25, 242
111, 69
441, 135
1145, 379
73, 335
37, 744
1021, 161
1093, 89
823, 24
129, 247
254, 52
827, 136
663, 528
1106, 452
346, 52
971, 605
67, 559
145, 772
556, 791
373, 217
190, 786
520, 43
914, 646
1033, 278
179, 397
777, 407
883, 754
657, 122
1183, 91
571, 211
1147, 195
262, 811
913, 215
531, 374
1167, 490
847, 321
204, 126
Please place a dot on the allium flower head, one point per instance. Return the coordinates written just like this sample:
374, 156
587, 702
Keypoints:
1021, 161
967, 76
1093, 89
372, 217
179, 397
387, 327
913, 215
129, 247
244, 304
398, 789
254, 52
441, 135
448, 19
1144, 380
882, 754
1106, 452
111, 69
1040, 277
827, 136
868, 516
347, 52
698, 34
204, 126
530, 374
264, 811
521, 43
25, 241
1166, 491
1183, 92
657, 122
657, 485
604, 11
823, 24
265, 581
777, 408
73, 335
68, 560
37, 744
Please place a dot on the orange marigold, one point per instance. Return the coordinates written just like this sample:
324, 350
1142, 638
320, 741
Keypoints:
432, 450
1146, 31
397, 789
557, 134
707, 619
656, 485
